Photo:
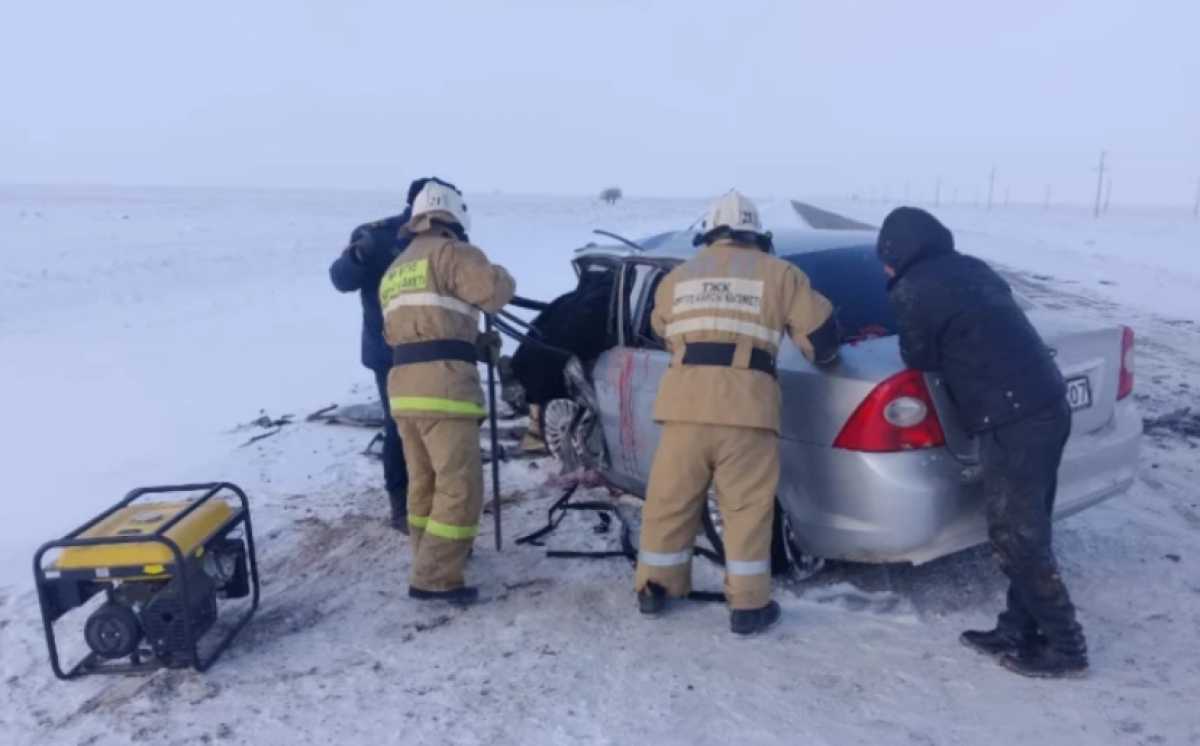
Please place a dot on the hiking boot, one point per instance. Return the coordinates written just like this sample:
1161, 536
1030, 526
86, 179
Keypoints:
1047, 662
753, 621
998, 642
399, 520
464, 596
652, 600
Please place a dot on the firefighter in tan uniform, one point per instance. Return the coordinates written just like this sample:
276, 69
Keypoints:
432, 296
723, 315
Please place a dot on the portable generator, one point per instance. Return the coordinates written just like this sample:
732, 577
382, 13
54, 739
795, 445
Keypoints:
167, 559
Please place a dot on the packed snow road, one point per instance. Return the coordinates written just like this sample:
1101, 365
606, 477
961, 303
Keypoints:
140, 327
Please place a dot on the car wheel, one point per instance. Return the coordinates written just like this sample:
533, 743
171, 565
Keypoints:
714, 529
557, 417
801, 564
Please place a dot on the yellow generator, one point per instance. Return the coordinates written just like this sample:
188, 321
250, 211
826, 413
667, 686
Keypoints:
167, 561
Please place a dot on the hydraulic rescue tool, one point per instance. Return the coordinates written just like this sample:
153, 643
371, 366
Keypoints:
151, 569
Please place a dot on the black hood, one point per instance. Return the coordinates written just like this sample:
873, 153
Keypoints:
910, 235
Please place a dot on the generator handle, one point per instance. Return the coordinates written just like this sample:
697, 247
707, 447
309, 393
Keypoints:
212, 487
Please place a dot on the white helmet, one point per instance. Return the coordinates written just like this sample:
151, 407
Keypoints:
733, 211
438, 197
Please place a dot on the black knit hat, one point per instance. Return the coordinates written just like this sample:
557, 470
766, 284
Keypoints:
910, 234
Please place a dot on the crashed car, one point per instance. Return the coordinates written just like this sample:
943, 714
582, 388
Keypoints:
875, 465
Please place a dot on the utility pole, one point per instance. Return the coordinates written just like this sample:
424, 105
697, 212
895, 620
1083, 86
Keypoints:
937, 194
991, 186
1099, 184
1107, 192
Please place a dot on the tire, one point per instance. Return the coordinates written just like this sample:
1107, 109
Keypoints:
113, 631
556, 418
781, 561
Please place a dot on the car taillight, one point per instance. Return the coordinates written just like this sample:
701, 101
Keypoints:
1125, 387
898, 415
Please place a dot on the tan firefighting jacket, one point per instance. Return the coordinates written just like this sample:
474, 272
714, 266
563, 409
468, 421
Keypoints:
735, 293
434, 291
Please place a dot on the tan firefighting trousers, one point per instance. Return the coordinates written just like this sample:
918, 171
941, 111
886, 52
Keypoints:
743, 465
445, 497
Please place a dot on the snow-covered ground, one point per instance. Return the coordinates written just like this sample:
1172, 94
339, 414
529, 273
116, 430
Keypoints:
140, 327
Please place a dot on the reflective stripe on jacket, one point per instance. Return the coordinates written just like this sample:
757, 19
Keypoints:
434, 291
736, 294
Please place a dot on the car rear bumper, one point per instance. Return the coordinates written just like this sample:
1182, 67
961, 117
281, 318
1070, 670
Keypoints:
916, 506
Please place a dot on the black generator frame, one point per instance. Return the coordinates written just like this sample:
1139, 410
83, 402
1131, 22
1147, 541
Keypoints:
71, 589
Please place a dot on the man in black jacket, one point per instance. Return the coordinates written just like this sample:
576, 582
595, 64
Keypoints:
361, 265
958, 317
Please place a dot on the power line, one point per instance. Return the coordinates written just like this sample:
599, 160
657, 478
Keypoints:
1099, 184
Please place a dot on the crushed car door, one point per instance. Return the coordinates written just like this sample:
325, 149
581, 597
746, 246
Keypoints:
638, 371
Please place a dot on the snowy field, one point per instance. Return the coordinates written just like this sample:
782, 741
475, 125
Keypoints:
141, 327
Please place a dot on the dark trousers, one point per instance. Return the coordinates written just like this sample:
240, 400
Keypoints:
395, 472
1020, 477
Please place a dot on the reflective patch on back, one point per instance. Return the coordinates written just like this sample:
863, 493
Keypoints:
403, 278
720, 294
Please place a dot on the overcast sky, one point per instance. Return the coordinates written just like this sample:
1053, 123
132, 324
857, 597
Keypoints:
662, 98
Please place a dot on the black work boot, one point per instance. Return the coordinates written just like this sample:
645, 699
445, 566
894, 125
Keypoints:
1001, 641
1048, 662
464, 596
753, 621
399, 519
652, 600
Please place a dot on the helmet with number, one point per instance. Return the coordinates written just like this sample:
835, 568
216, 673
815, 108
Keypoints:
734, 216
438, 200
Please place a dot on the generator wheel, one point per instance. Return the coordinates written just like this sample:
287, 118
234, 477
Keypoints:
113, 631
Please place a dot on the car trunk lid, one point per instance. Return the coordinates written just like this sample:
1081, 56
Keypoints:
1089, 356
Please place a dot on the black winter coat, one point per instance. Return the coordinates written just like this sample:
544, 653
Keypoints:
958, 317
378, 244
576, 322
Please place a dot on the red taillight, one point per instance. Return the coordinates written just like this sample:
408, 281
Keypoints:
1125, 387
898, 415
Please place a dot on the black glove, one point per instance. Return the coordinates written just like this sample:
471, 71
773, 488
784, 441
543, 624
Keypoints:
487, 347
362, 246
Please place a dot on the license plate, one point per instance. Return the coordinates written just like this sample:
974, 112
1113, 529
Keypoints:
1079, 393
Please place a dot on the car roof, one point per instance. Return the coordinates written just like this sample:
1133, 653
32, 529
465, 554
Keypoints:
677, 245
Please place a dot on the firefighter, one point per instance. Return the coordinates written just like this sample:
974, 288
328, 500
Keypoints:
958, 317
432, 297
723, 315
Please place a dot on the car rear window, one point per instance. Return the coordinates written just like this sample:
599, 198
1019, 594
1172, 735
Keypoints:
853, 280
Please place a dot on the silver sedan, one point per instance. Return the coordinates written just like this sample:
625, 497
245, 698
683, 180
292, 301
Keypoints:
875, 467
